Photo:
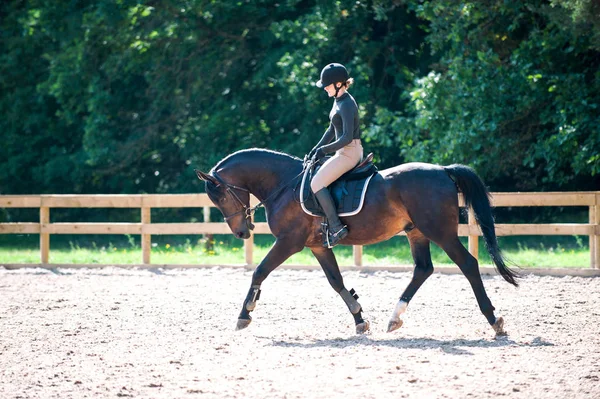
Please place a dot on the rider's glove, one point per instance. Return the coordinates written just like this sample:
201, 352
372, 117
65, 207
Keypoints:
318, 155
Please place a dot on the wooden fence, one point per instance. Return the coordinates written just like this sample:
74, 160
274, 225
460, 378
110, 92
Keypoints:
146, 228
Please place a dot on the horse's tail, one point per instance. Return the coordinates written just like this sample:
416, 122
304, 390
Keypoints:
477, 197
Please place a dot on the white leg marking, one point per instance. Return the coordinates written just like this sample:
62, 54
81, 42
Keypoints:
400, 308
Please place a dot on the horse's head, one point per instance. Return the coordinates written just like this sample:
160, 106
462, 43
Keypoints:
232, 201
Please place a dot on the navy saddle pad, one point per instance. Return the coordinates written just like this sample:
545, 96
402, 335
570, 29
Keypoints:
348, 192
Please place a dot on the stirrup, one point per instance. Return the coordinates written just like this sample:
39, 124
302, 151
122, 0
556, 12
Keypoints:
333, 239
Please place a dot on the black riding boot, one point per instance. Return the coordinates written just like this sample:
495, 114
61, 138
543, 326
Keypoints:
337, 231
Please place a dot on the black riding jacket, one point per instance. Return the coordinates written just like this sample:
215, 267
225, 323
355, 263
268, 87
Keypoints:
344, 122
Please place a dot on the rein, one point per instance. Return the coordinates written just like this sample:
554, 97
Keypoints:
247, 210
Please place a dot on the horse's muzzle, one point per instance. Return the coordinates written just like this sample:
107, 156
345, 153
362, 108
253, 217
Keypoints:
244, 235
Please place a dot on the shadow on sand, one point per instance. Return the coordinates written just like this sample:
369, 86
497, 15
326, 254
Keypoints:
454, 347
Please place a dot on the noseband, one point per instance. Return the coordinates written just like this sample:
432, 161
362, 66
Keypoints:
246, 210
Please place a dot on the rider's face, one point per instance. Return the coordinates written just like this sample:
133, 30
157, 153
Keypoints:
331, 89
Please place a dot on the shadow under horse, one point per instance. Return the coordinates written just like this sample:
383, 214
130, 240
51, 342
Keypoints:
418, 198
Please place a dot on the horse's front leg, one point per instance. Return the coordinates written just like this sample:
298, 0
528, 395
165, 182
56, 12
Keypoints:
327, 260
279, 253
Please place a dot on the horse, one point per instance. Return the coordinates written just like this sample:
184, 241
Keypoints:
420, 199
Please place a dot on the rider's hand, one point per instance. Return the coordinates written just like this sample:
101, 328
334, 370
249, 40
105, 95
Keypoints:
318, 155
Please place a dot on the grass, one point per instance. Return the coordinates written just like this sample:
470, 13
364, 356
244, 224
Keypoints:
547, 251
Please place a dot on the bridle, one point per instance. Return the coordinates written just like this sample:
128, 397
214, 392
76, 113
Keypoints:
246, 210
249, 211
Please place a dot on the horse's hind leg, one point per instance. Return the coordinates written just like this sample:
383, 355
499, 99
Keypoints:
279, 253
328, 263
419, 247
470, 268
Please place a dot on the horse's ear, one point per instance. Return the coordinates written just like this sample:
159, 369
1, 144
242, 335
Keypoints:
205, 177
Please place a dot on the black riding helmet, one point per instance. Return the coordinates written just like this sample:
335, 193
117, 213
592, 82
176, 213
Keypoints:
332, 73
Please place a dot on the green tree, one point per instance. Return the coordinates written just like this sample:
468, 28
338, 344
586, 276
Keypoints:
516, 93
128, 96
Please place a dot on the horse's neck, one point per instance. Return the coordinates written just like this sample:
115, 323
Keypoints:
264, 177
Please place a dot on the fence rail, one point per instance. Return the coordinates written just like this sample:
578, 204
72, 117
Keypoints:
147, 202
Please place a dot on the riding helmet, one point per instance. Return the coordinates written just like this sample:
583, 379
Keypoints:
332, 73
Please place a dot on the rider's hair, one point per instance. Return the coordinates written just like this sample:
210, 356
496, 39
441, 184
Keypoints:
347, 83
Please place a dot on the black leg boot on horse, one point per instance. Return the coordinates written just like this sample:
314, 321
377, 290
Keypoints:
336, 231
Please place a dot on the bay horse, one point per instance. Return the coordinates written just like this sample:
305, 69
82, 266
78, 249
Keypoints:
418, 198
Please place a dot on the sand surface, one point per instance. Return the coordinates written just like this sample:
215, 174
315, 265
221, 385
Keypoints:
170, 334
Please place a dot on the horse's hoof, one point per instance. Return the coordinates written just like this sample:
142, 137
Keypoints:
498, 327
393, 325
363, 328
242, 323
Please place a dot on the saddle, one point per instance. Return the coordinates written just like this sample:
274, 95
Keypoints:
348, 192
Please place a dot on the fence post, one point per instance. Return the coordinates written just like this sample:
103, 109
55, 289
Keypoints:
595, 239
357, 251
249, 246
44, 237
592, 236
146, 238
473, 239
208, 238
249, 249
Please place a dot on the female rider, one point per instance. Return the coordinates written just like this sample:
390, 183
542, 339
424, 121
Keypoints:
344, 127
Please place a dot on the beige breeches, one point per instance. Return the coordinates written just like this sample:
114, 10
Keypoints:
344, 160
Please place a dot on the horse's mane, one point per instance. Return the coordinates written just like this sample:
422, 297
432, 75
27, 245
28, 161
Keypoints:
257, 151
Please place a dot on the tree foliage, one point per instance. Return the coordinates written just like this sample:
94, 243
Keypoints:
128, 96
515, 93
